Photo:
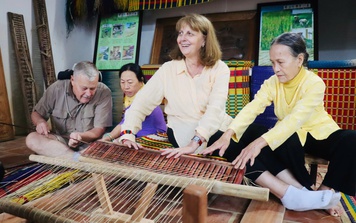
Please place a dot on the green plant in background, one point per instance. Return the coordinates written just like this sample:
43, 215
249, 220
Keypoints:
274, 24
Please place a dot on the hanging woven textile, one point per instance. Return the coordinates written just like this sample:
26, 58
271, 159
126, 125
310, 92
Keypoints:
79, 11
161, 4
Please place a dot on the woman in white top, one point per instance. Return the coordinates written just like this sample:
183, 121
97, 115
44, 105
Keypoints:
194, 86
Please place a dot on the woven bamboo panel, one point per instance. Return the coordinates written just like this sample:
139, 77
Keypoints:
44, 41
19, 38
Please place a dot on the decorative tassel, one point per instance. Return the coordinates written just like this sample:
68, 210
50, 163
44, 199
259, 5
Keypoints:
97, 5
80, 9
69, 16
122, 5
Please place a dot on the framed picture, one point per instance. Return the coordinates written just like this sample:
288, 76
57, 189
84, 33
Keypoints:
288, 16
117, 40
236, 33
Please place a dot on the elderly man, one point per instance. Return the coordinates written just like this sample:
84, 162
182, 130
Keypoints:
80, 110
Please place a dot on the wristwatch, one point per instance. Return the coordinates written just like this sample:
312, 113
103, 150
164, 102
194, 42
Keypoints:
198, 140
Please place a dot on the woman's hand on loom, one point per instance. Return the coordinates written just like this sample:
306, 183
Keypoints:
177, 152
131, 144
221, 144
250, 152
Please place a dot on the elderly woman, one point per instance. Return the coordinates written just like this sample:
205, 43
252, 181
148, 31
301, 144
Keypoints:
276, 158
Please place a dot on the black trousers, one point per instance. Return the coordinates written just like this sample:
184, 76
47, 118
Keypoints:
340, 150
2, 171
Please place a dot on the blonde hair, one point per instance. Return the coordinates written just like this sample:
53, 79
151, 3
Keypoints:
210, 53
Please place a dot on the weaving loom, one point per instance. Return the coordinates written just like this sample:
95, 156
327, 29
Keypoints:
112, 183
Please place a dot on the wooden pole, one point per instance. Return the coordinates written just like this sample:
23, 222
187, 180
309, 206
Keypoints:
6, 132
195, 204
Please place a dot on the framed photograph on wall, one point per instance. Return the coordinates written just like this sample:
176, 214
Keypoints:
117, 40
117, 43
276, 18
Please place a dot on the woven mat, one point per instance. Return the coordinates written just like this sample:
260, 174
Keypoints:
239, 90
340, 95
349, 204
259, 75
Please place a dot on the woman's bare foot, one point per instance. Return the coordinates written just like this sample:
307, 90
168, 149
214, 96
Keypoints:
335, 210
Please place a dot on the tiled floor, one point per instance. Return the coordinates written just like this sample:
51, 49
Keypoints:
221, 208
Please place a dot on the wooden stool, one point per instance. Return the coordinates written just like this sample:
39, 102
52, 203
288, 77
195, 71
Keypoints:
313, 162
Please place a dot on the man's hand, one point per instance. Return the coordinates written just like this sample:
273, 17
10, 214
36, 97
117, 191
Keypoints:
74, 140
42, 128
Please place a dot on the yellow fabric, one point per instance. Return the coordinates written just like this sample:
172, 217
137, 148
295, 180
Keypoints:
46, 187
190, 103
304, 113
291, 87
128, 100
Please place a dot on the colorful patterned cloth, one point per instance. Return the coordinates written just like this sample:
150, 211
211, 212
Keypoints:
239, 87
161, 4
349, 204
156, 142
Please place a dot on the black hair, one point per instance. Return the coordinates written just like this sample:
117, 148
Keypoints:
134, 68
295, 42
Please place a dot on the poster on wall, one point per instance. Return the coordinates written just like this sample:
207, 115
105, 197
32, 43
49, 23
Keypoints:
117, 40
291, 16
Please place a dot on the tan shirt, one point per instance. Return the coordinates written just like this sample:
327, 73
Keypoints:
298, 105
191, 104
68, 114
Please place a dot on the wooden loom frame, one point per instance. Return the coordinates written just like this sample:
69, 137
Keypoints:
191, 215
19, 38
44, 41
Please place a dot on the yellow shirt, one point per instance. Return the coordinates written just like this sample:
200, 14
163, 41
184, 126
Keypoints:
190, 103
298, 105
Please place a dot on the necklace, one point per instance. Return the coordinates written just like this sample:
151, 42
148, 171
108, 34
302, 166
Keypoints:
197, 70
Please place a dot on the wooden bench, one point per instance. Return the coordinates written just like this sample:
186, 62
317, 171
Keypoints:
313, 163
